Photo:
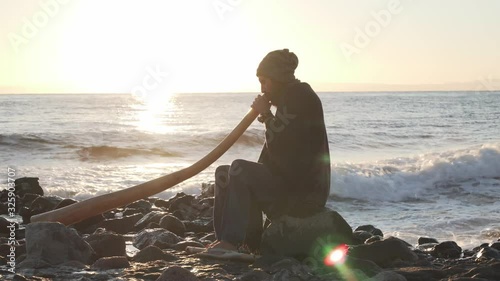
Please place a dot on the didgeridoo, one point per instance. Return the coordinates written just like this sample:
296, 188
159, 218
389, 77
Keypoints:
97, 205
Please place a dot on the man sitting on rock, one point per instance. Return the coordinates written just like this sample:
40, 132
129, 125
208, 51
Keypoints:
292, 176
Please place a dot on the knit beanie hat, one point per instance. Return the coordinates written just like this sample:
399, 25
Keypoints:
279, 65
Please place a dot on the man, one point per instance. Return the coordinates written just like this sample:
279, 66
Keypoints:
292, 176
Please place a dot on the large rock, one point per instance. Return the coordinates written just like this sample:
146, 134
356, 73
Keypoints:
448, 249
426, 240
44, 204
52, 243
140, 204
27, 185
184, 207
107, 244
179, 200
488, 253
153, 253
173, 224
111, 263
178, 274
151, 217
370, 229
301, 237
121, 225
384, 252
159, 237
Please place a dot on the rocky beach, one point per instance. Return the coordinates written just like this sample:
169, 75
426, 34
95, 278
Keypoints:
147, 240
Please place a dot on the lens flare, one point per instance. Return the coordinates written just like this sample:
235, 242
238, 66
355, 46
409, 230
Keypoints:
336, 256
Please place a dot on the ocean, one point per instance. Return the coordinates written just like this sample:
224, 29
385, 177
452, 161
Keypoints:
411, 163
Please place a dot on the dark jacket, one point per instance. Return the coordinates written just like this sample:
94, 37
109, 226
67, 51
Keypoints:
297, 151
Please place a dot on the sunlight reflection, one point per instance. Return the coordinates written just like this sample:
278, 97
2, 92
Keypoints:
154, 111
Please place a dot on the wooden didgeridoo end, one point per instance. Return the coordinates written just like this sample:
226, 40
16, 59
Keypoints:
97, 205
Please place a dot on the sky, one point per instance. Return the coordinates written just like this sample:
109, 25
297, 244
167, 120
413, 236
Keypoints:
117, 46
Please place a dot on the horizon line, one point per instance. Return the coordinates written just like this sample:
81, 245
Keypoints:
250, 92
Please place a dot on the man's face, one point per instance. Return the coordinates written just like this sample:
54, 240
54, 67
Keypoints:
269, 89
266, 85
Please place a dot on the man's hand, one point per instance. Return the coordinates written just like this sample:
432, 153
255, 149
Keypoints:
261, 104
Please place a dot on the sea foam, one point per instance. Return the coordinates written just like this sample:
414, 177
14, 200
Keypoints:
417, 178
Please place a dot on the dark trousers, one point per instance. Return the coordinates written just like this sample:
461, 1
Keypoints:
242, 192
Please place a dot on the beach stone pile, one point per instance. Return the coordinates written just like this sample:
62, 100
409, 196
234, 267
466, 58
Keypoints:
147, 240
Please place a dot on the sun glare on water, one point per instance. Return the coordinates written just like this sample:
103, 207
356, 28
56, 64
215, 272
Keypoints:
153, 113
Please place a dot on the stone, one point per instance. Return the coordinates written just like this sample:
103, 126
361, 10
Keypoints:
373, 239
107, 244
495, 245
209, 237
89, 225
5, 223
421, 273
426, 240
121, 225
179, 199
368, 267
28, 198
65, 202
370, 229
178, 274
27, 185
4, 208
209, 202
111, 263
44, 204
448, 249
186, 212
73, 264
152, 225
173, 224
384, 252
290, 269
298, 237
153, 253
387, 276
86, 226
19, 277
53, 243
25, 213
199, 225
254, 275
160, 203
140, 204
5, 249
207, 190
489, 272
132, 211
181, 246
488, 253
151, 217
360, 236
426, 247
156, 236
